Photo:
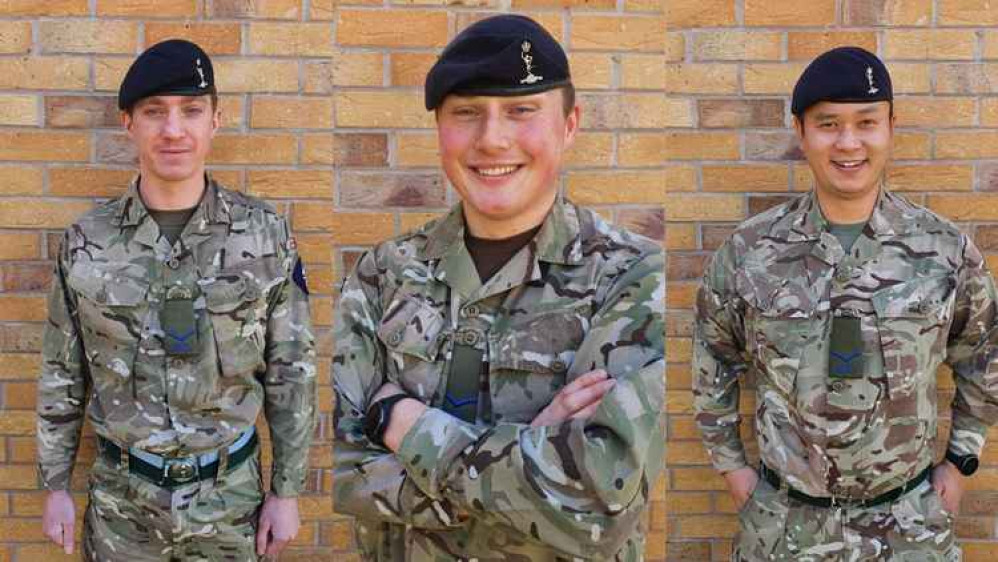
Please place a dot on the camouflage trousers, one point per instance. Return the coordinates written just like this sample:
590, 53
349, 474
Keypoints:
912, 528
131, 519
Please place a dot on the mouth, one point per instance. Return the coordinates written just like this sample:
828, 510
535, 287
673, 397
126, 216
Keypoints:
495, 171
849, 165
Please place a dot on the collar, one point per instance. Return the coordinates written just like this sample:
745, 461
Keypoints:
803, 220
215, 205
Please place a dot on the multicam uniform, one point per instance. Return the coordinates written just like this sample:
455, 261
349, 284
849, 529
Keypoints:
581, 296
922, 295
146, 386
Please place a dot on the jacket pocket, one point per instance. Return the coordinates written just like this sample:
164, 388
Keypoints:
412, 332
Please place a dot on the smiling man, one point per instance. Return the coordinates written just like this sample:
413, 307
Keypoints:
178, 312
843, 303
499, 373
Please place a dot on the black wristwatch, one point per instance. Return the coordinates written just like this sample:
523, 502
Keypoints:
378, 416
966, 464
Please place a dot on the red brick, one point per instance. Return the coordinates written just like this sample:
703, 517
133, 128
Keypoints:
20, 338
740, 113
772, 146
649, 221
20, 278
378, 190
81, 112
624, 111
887, 12
346, 149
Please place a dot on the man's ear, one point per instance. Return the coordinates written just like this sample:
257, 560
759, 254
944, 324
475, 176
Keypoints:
126, 121
572, 122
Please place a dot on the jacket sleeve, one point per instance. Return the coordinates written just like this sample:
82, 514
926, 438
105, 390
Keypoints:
718, 360
579, 486
62, 384
972, 353
369, 482
290, 379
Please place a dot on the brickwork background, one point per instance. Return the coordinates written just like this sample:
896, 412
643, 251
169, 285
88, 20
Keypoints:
730, 153
322, 112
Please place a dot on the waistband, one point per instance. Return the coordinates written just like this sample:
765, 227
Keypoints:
774, 479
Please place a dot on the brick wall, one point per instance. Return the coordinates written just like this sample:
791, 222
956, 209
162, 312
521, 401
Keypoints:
730, 153
322, 112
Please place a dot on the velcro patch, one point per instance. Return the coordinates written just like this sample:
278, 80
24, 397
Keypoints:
299, 276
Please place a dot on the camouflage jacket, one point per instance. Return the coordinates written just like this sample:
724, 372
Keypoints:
251, 344
922, 296
582, 295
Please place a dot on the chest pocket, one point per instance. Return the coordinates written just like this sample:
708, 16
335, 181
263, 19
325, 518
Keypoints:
236, 300
112, 308
913, 319
412, 333
530, 360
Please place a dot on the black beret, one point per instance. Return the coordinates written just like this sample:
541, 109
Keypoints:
845, 74
174, 66
507, 55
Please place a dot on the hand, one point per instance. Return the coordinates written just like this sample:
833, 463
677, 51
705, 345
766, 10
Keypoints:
741, 484
278, 524
59, 518
386, 390
578, 399
948, 482
404, 415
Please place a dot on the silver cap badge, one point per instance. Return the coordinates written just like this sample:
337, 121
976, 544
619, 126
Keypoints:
528, 61
869, 78
204, 83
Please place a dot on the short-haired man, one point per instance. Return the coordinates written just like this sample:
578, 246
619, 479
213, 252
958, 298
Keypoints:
178, 311
499, 373
843, 302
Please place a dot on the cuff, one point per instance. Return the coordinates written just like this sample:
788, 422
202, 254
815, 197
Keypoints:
967, 436
287, 483
431, 446
55, 477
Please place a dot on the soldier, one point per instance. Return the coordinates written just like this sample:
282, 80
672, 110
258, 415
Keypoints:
499, 373
843, 302
177, 312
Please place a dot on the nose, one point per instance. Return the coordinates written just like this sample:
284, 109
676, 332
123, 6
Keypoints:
171, 125
494, 134
847, 139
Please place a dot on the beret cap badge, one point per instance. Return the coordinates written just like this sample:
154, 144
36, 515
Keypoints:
528, 61
869, 78
204, 83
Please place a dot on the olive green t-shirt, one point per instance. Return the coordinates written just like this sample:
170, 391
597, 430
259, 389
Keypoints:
171, 223
846, 357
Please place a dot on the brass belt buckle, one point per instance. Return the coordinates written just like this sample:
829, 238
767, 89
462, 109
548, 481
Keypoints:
180, 470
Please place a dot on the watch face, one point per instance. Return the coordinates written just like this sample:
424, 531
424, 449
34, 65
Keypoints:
969, 465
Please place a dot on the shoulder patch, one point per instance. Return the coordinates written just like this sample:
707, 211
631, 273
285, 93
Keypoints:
299, 276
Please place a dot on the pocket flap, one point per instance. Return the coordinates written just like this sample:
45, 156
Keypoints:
107, 284
412, 328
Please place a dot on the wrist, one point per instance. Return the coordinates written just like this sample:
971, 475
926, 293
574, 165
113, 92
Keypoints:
964, 464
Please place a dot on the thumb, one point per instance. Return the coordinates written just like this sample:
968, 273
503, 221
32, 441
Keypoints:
67, 537
261, 537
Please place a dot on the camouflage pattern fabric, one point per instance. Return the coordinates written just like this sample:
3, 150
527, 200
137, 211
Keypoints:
105, 349
914, 528
922, 295
582, 295
129, 519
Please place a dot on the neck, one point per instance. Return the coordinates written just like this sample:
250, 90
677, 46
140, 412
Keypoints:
847, 211
483, 227
162, 195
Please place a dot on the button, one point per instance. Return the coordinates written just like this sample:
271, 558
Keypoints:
395, 338
843, 275
252, 292
558, 366
177, 363
838, 386
468, 337
471, 311
174, 263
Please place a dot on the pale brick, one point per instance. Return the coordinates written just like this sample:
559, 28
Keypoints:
618, 33
967, 145
912, 146
681, 177
931, 177
18, 246
20, 180
701, 146
740, 113
922, 44
215, 38
616, 187
364, 190
292, 113
590, 149
76, 36
232, 111
291, 39
594, 71
641, 149
697, 526
393, 28
701, 78
81, 112
110, 71
705, 13
737, 45
15, 37
767, 13
934, 112
975, 13
256, 76
27, 309
551, 21
538, 4
806, 45
88, 182
687, 207
44, 146
990, 44
44, 73
965, 207
264, 9
346, 228
771, 78
410, 69
350, 149
675, 47
382, 109
969, 78
887, 12
417, 149
678, 112
680, 236
291, 183
19, 109
344, 69
627, 111
745, 178
46, 8
253, 149
147, 8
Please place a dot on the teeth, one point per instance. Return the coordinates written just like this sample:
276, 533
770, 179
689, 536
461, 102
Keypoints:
499, 171
850, 164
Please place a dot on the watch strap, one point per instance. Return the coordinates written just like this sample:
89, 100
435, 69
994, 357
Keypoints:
384, 406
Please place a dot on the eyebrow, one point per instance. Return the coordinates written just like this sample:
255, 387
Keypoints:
865, 111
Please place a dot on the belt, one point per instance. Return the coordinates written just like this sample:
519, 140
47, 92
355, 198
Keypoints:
171, 472
886, 497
